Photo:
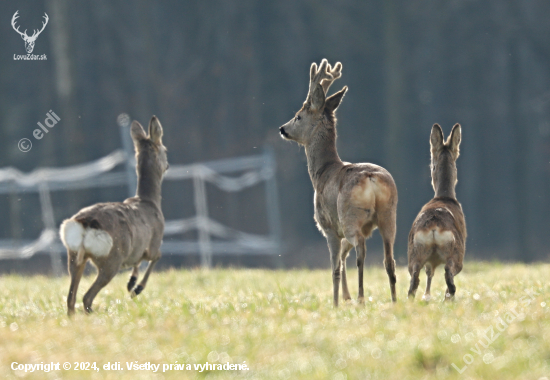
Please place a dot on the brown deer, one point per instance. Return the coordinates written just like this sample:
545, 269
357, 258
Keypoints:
120, 234
438, 234
351, 200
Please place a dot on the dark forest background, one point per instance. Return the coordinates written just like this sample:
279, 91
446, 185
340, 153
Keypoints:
222, 76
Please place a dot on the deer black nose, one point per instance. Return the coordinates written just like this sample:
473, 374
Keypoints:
283, 132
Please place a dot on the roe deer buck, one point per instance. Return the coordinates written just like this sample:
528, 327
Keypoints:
120, 234
438, 234
351, 200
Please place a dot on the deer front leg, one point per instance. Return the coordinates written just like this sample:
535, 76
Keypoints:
133, 278
335, 263
345, 247
143, 282
75, 271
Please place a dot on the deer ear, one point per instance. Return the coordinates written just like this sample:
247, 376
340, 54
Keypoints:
317, 98
333, 101
155, 131
454, 139
137, 132
436, 139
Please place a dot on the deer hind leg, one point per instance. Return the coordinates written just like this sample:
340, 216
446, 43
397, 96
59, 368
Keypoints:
414, 270
361, 251
449, 279
133, 278
336, 264
75, 271
429, 273
138, 289
105, 273
386, 225
389, 262
345, 247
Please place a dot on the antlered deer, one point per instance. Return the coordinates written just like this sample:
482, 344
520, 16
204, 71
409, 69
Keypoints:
351, 200
29, 40
438, 234
121, 234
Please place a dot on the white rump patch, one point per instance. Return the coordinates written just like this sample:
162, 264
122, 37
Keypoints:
98, 242
433, 236
72, 234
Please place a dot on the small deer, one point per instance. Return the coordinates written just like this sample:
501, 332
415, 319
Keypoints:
438, 234
29, 40
351, 200
120, 234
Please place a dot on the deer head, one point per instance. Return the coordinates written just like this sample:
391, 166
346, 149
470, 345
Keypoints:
29, 40
151, 159
444, 155
317, 106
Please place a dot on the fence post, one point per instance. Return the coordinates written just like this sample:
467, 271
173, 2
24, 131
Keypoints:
272, 204
123, 121
201, 208
49, 223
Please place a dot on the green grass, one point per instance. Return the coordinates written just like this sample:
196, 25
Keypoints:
283, 325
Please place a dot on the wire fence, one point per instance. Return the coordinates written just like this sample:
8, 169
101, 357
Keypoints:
213, 237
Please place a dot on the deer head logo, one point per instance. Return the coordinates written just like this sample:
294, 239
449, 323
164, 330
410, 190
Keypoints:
29, 40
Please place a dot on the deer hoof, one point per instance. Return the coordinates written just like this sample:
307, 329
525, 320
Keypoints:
426, 297
132, 283
449, 297
136, 291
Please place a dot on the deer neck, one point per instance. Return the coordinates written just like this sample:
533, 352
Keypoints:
149, 183
446, 181
321, 154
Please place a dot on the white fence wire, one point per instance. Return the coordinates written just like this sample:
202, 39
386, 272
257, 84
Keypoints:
253, 171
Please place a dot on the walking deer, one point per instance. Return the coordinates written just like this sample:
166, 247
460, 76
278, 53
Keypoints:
351, 200
438, 234
120, 234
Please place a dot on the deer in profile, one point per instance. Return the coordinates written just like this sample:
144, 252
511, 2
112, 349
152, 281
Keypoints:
351, 200
438, 234
120, 234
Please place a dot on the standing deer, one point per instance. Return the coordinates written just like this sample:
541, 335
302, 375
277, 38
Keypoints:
350, 200
121, 234
438, 234
29, 40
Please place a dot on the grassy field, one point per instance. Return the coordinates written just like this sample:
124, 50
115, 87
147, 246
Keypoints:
283, 325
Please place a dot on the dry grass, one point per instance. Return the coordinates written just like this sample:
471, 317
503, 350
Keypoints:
283, 325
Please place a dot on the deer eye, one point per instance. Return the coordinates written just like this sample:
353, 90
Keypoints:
298, 118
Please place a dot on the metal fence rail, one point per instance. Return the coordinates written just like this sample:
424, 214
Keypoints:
252, 171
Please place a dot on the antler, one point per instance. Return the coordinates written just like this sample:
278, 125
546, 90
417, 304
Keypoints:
324, 76
15, 16
37, 33
336, 73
